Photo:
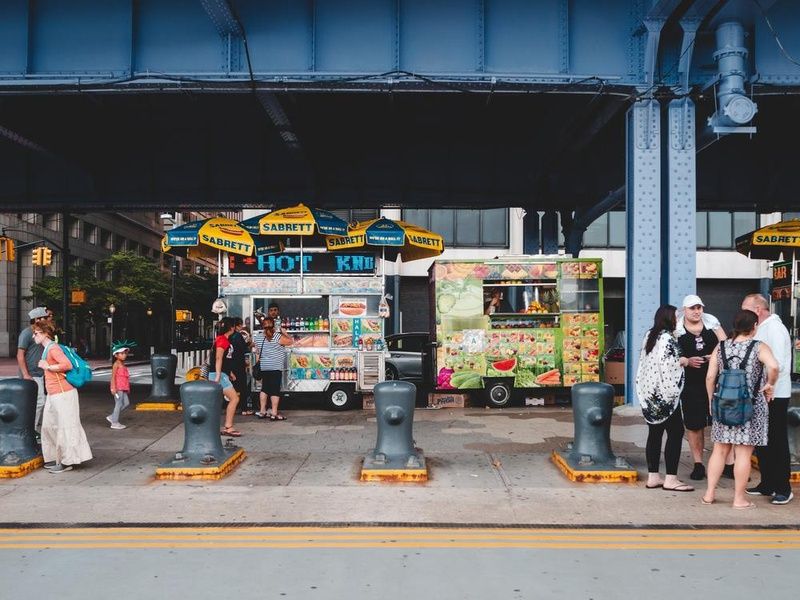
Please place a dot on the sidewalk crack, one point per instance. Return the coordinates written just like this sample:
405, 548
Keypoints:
297, 470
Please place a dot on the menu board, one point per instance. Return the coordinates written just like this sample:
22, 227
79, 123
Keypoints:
581, 347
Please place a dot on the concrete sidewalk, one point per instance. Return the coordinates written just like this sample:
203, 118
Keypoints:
9, 367
486, 467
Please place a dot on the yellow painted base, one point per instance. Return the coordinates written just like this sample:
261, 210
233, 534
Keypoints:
794, 475
593, 476
202, 472
400, 475
21, 470
156, 406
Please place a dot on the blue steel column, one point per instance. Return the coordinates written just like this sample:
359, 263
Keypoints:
643, 212
680, 245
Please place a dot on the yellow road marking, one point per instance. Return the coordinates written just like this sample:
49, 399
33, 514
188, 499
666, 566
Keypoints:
387, 537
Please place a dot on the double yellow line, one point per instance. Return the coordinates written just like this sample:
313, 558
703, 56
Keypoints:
398, 537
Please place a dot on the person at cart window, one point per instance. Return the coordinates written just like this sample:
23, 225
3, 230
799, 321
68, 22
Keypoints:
497, 303
273, 312
271, 356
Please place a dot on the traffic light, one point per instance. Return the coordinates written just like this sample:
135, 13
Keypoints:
7, 249
36, 256
47, 257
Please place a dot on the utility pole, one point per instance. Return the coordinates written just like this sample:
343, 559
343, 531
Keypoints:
172, 305
65, 257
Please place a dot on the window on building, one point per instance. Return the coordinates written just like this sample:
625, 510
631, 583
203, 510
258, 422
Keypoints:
465, 228
607, 231
74, 228
90, 233
357, 214
718, 230
119, 243
52, 221
790, 215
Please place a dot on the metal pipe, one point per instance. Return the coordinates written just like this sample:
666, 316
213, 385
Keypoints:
734, 107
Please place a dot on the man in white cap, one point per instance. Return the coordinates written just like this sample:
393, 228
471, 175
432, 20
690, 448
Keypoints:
700, 334
773, 459
29, 353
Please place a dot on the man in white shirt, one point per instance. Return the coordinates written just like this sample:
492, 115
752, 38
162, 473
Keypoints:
773, 459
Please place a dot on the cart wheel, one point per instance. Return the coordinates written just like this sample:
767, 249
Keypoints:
340, 397
498, 394
193, 374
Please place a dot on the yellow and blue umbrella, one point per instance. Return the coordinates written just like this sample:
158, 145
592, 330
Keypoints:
771, 241
411, 242
299, 220
204, 237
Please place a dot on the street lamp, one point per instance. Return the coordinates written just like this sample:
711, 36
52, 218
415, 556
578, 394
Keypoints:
111, 310
149, 312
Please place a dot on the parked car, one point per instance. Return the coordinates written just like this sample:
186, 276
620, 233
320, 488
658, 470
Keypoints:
404, 356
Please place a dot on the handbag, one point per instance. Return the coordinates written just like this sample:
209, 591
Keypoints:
257, 366
732, 403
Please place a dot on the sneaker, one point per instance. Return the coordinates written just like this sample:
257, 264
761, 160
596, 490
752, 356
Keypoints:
59, 468
756, 491
49, 465
727, 472
117, 426
698, 473
782, 499
108, 418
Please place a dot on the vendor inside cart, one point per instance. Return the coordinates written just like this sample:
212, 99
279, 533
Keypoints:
271, 356
497, 303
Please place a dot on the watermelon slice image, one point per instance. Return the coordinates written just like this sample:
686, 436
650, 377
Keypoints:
506, 365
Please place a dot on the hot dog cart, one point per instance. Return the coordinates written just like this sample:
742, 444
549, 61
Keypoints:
524, 322
329, 305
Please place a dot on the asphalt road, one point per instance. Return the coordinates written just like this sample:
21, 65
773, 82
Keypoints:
397, 563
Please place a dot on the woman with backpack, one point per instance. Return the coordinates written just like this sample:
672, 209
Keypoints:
761, 370
64, 441
659, 382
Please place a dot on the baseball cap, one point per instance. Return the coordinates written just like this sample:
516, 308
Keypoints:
692, 300
38, 313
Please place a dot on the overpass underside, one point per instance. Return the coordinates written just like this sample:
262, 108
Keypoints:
575, 106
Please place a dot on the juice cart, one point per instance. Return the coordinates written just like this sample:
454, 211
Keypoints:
329, 305
525, 324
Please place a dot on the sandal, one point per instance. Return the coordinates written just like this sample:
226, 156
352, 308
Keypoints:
654, 487
277, 418
745, 507
261, 415
681, 487
230, 432
247, 413
707, 502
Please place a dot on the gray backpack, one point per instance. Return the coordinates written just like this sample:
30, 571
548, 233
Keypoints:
732, 403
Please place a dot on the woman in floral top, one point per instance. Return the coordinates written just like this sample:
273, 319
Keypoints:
659, 382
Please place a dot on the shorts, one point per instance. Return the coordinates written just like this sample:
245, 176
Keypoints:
271, 382
224, 380
695, 412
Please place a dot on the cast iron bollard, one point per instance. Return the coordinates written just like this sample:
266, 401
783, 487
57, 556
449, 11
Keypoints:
203, 455
589, 457
394, 457
19, 453
793, 424
163, 368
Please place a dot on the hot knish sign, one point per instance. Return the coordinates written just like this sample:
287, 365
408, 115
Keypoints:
351, 263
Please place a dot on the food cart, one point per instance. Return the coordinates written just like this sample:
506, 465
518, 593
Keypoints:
785, 300
329, 305
546, 331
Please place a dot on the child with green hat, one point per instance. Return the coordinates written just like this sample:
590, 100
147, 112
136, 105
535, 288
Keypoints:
120, 381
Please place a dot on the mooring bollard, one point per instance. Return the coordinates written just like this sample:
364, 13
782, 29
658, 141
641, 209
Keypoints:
203, 456
793, 425
163, 393
19, 454
395, 458
589, 457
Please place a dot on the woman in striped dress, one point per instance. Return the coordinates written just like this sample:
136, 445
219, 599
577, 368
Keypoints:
271, 357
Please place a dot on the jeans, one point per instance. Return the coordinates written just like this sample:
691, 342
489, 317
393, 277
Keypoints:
121, 402
672, 450
773, 459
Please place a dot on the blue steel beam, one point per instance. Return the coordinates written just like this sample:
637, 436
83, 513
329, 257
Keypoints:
643, 213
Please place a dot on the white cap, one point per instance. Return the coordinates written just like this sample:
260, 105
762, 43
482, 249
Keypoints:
692, 300
38, 313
